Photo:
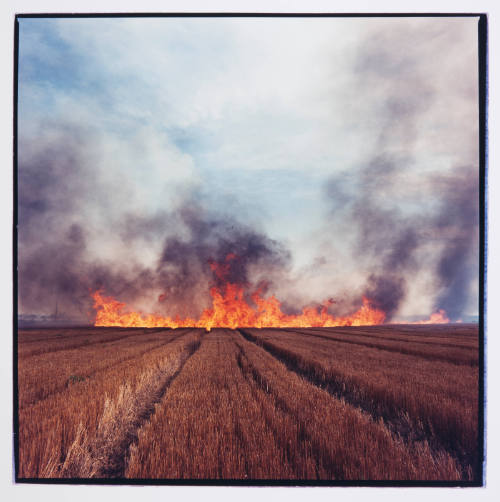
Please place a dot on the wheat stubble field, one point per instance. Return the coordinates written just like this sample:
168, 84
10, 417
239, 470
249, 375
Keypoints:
391, 403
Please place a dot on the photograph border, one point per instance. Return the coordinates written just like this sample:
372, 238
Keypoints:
483, 223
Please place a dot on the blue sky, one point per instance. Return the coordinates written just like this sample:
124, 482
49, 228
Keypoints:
281, 123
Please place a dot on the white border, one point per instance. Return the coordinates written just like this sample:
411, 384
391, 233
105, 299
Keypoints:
9, 490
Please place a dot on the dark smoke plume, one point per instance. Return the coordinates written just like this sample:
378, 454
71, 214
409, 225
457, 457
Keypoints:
374, 199
185, 263
458, 223
57, 270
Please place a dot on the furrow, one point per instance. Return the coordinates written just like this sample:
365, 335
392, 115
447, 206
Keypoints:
376, 337
397, 421
209, 425
272, 404
472, 361
106, 454
63, 387
88, 343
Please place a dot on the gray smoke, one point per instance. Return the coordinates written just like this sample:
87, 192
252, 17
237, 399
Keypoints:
118, 204
392, 219
58, 267
457, 222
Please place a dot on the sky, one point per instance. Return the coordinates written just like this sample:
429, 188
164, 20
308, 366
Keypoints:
339, 157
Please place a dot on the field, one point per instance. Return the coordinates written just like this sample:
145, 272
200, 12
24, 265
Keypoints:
391, 403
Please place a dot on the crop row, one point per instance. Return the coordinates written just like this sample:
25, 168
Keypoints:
62, 435
235, 411
47, 373
244, 404
417, 398
432, 350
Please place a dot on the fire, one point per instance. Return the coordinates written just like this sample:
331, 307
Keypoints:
438, 317
230, 309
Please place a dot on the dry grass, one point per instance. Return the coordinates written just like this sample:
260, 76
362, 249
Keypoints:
34, 342
43, 374
209, 425
394, 403
103, 452
351, 444
253, 418
73, 432
452, 350
418, 397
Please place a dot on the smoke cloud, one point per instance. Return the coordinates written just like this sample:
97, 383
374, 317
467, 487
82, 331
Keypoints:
336, 168
395, 211
58, 265
457, 223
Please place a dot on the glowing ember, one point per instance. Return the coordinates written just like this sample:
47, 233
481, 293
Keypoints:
230, 309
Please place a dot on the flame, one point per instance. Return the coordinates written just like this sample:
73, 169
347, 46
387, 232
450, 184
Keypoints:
438, 317
230, 309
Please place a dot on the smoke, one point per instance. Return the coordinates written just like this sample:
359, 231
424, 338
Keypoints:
64, 255
140, 189
246, 255
384, 236
221, 240
457, 222
406, 224
51, 239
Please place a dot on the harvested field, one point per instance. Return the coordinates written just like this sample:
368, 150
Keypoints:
391, 403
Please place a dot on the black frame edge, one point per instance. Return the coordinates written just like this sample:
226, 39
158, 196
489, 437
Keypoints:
249, 14
14, 258
482, 98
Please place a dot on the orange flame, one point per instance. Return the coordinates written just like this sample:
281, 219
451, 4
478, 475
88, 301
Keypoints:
438, 317
230, 309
